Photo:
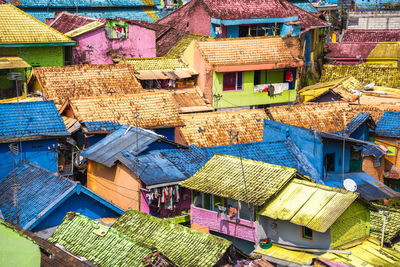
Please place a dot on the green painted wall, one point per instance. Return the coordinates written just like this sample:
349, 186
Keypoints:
352, 225
246, 97
16, 250
46, 56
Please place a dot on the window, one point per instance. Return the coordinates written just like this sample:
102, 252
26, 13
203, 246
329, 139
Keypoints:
252, 30
257, 77
330, 162
232, 81
116, 30
306, 233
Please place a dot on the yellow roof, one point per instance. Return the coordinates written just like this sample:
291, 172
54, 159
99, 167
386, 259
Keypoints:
278, 252
84, 29
18, 27
389, 50
13, 63
309, 204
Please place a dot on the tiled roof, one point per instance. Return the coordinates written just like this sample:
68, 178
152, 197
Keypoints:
368, 187
62, 83
370, 36
327, 117
85, 3
283, 153
248, 51
156, 63
100, 244
240, 179
309, 204
155, 110
245, 9
17, 27
357, 121
184, 246
389, 124
25, 119
366, 73
38, 189
386, 51
212, 129
342, 51
101, 126
178, 46
65, 21
392, 226
191, 100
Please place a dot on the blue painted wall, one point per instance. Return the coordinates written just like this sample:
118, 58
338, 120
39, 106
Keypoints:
81, 203
336, 147
169, 133
362, 133
233, 31
41, 153
292, 30
308, 48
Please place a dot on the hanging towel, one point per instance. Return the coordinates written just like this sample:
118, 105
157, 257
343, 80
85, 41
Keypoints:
288, 76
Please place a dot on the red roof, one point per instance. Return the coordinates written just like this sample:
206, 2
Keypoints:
65, 21
370, 36
247, 9
349, 50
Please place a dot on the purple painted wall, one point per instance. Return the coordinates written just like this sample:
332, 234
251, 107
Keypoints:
94, 48
245, 230
183, 204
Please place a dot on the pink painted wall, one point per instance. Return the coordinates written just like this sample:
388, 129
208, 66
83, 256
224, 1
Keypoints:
183, 204
93, 47
245, 230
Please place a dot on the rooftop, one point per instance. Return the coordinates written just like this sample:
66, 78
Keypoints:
154, 110
62, 83
389, 125
271, 51
349, 51
385, 51
223, 176
156, 63
102, 245
191, 100
184, 246
392, 226
177, 43
19, 28
212, 129
370, 36
309, 204
30, 119
85, 3
66, 21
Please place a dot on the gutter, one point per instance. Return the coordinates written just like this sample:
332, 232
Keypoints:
38, 44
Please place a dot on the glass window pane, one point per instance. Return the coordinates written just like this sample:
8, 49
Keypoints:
239, 84
229, 81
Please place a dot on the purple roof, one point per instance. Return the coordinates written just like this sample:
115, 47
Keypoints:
66, 21
349, 50
370, 36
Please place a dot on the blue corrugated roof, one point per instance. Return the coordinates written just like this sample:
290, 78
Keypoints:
101, 126
125, 139
129, 13
31, 119
389, 124
83, 3
39, 191
283, 153
369, 188
305, 5
153, 168
356, 122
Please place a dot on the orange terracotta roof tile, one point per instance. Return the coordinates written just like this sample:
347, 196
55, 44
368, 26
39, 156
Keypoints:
191, 100
212, 129
156, 110
62, 83
246, 51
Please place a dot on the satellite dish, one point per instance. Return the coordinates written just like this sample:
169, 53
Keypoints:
350, 185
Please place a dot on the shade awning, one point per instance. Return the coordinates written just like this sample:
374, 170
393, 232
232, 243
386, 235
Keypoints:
13, 63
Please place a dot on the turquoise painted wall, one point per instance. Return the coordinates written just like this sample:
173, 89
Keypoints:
247, 97
46, 56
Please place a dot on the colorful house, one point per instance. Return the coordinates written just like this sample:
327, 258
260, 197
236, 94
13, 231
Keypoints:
100, 41
30, 131
348, 53
249, 72
26, 42
121, 169
62, 83
149, 110
43, 199
133, 9
221, 128
252, 199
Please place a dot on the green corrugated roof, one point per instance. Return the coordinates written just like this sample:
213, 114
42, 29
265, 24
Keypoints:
309, 204
98, 243
182, 245
156, 63
222, 176
180, 47
392, 228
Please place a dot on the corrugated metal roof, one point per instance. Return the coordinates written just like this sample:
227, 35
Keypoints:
357, 121
153, 168
292, 256
389, 50
389, 124
184, 246
125, 139
367, 186
13, 63
222, 176
40, 118
309, 204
